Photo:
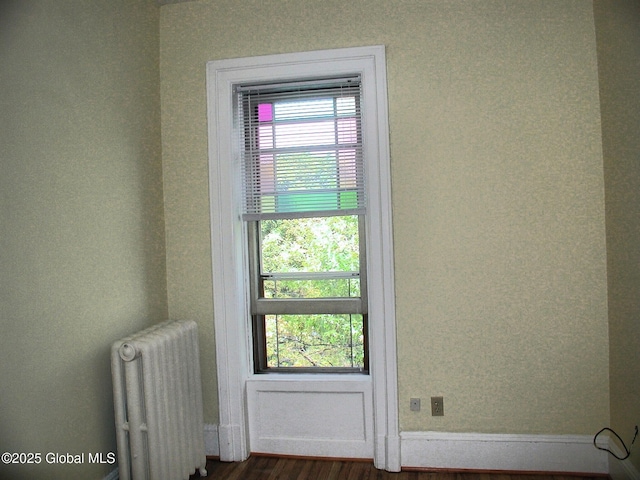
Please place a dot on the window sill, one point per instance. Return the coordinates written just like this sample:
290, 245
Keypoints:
309, 377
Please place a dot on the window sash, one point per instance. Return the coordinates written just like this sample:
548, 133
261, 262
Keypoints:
308, 306
260, 352
301, 162
261, 307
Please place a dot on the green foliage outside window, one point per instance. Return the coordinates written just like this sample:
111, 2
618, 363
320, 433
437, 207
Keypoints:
314, 340
312, 258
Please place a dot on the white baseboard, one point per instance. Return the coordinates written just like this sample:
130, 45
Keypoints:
539, 453
621, 469
211, 442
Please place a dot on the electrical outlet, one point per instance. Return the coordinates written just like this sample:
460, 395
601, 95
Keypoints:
414, 404
437, 406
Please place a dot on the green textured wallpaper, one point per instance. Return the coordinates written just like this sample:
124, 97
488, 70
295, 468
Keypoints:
618, 33
498, 194
82, 258
508, 123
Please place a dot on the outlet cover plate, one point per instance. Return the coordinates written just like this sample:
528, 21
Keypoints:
437, 406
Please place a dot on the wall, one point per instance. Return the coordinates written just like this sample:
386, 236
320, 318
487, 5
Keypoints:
82, 258
618, 33
498, 194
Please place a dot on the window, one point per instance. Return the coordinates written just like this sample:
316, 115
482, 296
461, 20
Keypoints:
304, 204
229, 232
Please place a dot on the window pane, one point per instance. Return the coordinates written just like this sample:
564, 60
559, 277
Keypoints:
302, 109
305, 134
318, 244
265, 112
345, 106
320, 171
315, 341
265, 137
347, 130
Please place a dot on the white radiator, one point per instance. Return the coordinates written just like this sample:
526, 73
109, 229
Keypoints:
158, 403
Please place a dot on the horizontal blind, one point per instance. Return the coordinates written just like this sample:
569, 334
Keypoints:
301, 145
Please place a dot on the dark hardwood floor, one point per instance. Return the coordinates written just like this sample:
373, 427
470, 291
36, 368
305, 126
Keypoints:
276, 468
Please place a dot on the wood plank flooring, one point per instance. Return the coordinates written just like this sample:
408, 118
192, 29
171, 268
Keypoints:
276, 468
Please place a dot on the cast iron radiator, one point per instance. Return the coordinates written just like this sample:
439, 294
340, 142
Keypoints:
158, 403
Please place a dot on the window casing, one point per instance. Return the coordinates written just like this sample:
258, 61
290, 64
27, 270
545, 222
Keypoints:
232, 323
304, 195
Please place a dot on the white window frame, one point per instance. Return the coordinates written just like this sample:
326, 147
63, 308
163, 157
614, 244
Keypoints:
232, 320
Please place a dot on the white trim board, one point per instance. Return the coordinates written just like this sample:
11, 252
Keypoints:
621, 469
229, 262
539, 453
531, 453
211, 442
327, 417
